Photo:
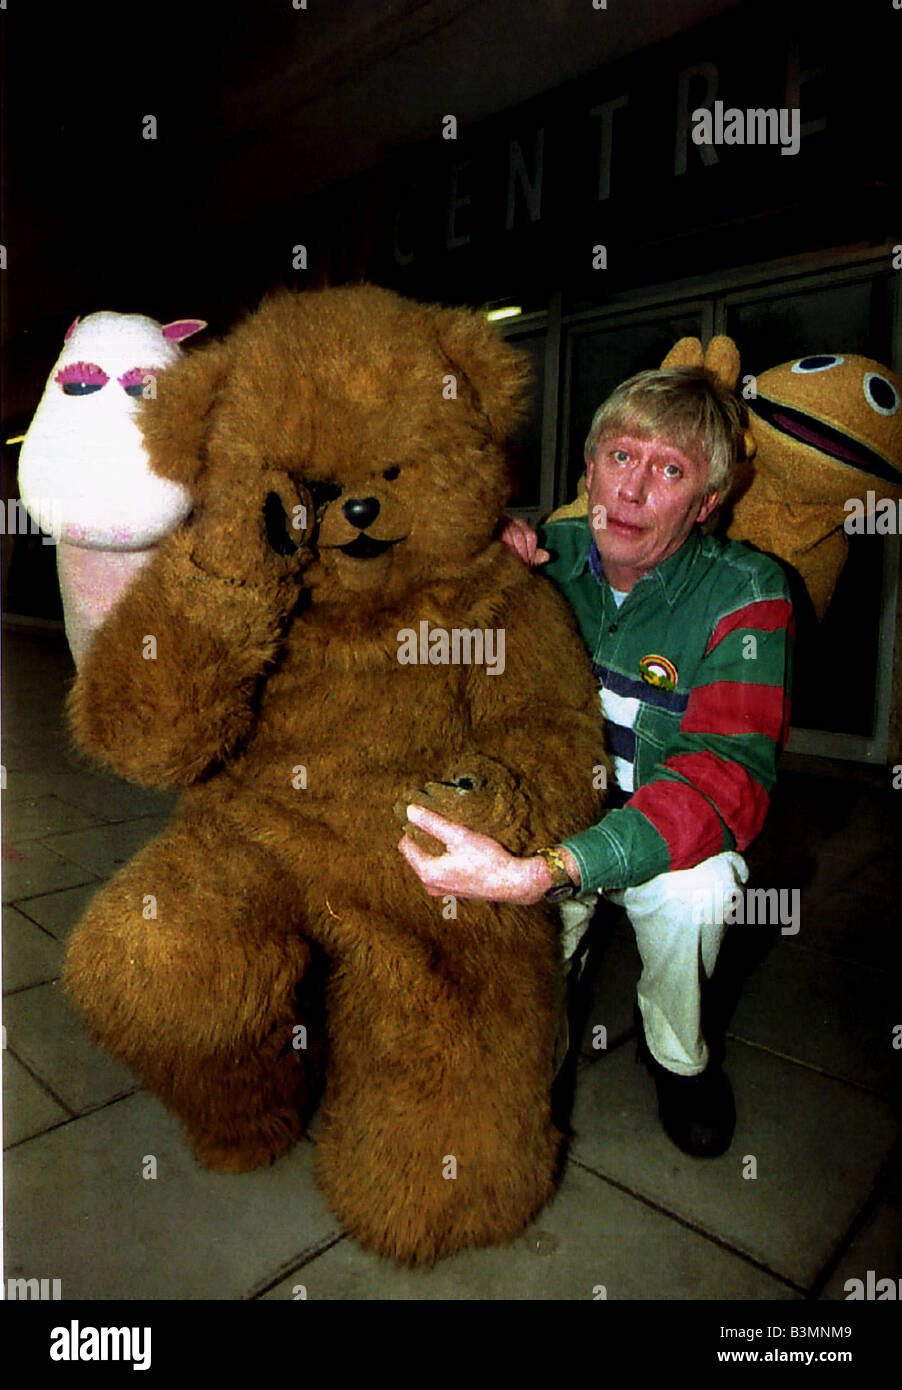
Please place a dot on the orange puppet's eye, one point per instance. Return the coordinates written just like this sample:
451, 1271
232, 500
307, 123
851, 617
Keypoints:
880, 394
821, 363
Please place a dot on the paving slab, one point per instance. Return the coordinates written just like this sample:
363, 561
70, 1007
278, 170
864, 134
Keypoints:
43, 751
93, 791
31, 868
32, 817
831, 1014
58, 912
853, 924
27, 1107
44, 1031
80, 1208
820, 832
876, 1248
591, 1242
878, 878
105, 848
30, 956
817, 1145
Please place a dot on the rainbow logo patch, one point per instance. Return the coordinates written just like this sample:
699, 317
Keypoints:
659, 672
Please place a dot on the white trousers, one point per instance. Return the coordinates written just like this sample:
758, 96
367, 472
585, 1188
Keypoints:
675, 918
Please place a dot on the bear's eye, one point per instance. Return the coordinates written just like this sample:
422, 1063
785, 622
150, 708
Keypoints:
389, 474
323, 493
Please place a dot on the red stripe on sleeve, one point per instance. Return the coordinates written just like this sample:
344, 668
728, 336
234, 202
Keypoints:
684, 817
741, 801
767, 615
736, 707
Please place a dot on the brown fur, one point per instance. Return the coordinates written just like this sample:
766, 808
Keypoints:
438, 1032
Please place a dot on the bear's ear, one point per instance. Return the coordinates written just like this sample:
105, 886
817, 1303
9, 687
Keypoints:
175, 422
497, 372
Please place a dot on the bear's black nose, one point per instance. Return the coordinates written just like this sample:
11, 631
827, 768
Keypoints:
361, 511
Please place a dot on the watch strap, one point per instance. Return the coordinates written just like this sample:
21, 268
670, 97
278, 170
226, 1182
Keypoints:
562, 886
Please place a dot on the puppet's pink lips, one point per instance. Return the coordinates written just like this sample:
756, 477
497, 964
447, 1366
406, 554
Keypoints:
826, 439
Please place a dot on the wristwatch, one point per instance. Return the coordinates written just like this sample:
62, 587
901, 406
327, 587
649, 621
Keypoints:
562, 885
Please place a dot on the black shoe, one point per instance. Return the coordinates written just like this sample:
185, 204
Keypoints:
698, 1113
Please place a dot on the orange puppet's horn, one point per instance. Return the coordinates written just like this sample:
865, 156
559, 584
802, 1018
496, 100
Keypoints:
721, 359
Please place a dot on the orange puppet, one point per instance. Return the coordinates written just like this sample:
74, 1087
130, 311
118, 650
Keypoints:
828, 437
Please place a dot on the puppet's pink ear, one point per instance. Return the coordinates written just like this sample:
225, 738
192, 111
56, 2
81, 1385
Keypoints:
72, 327
182, 328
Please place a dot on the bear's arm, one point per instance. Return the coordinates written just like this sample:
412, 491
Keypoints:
168, 687
541, 718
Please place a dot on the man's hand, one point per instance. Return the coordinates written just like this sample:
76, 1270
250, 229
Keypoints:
474, 865
519, 537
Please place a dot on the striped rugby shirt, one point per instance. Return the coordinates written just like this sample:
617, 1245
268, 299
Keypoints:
693, 671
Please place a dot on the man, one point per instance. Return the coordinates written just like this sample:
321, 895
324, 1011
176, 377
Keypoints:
690, 638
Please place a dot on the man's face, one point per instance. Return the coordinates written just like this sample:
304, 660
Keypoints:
645, 496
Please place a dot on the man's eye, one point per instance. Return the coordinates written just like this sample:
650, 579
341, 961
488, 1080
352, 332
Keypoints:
621, 456
672, 470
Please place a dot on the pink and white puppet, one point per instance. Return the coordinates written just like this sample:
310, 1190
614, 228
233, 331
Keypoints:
84, 476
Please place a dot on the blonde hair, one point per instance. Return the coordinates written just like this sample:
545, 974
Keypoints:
687, 406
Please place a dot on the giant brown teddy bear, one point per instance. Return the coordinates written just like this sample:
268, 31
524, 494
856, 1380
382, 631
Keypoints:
344, 450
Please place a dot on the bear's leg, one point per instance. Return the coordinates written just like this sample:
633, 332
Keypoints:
436, 1129
190, 968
